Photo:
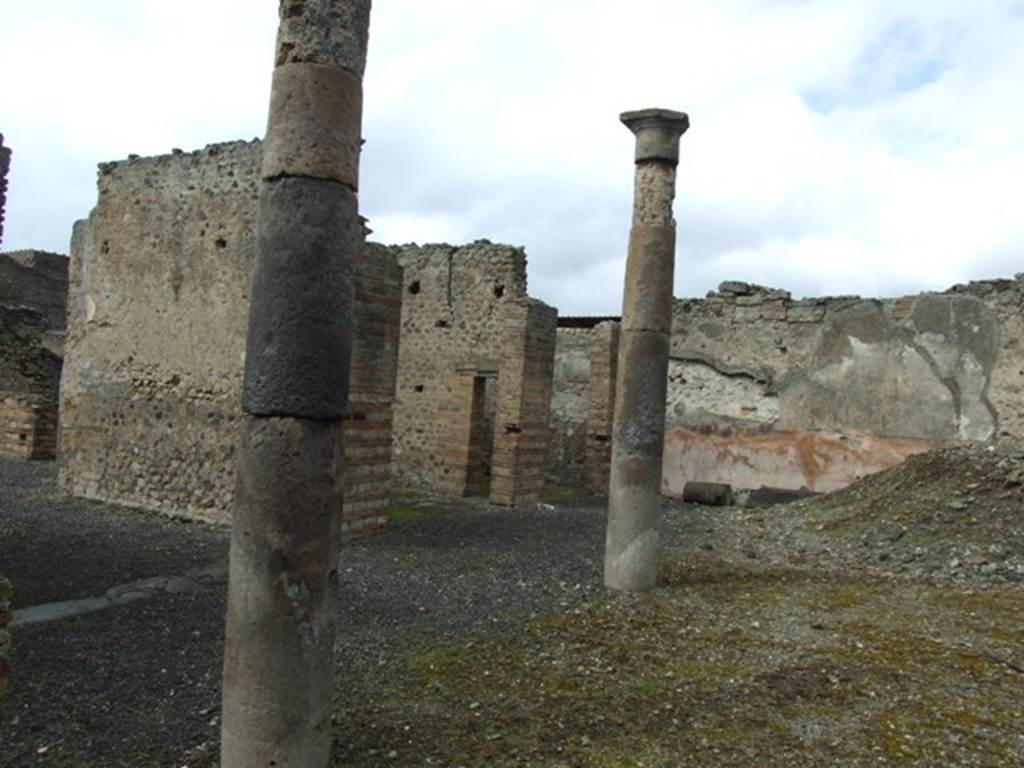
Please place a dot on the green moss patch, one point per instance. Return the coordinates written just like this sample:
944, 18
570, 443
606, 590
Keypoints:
718, 667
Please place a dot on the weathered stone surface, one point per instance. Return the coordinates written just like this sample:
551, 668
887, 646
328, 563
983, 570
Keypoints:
455, 306
631, 548
929, 367
654, 191
297, 352
33, 298
569, 407
324, 32
604, 360
282, 592
786, 459
523, 409
632, 540
871, 375
647, 305
160, 278
315, 124
657, 133
639, 425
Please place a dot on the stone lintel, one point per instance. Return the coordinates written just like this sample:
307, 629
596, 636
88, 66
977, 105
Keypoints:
657, 133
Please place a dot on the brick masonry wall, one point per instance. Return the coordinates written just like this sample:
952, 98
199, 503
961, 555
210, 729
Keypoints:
159, 285
604, 357
33, 297
28, 430
522, 422
461, 447
5, 167
454, 308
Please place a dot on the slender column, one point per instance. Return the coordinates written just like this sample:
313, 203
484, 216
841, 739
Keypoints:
5, 165
278, 652
631, 548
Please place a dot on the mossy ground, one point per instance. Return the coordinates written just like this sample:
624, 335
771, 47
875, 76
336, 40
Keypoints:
718, 667
741, 658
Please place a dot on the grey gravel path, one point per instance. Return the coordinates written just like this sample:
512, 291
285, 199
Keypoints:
138, 684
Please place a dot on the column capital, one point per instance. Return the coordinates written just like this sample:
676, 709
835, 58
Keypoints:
657, 133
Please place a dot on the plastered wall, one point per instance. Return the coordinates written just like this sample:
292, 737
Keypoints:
769, 391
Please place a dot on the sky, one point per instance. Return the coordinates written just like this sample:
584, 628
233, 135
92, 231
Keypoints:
873, 147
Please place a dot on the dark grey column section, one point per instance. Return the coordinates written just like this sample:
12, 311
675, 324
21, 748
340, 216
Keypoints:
631, 548
5, 166
278, 654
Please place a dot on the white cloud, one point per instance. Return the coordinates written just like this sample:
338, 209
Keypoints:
837, 146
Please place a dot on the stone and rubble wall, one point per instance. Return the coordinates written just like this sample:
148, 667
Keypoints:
455, 304
812, 394
765, 390
150, 400
604, 360
570, 402
33, 298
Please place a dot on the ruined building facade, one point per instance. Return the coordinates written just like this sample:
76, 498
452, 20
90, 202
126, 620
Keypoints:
160, 275
474, 373
461, 384
768, 391
33, 294
159, 283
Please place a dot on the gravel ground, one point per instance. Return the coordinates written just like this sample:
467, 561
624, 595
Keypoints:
880, 625
139, 684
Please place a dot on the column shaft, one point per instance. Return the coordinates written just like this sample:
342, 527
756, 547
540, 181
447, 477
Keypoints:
631, 550
279, 642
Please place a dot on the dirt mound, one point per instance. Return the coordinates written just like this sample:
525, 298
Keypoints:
956, 509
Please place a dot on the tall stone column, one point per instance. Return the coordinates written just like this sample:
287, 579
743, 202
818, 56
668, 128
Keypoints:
631, 547
278, 653
5, 165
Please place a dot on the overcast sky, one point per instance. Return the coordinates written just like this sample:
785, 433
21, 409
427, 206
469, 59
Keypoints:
837, 146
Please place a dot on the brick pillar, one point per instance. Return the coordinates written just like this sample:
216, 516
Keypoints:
604, 355
462, 413
367, 424
28, 427
524, 403
5, 166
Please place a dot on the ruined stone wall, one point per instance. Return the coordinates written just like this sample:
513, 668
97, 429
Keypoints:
33, 298
845, 386
767, 390
569, 403
604, 361
5, 166
160, 275
455, 304
523, 417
